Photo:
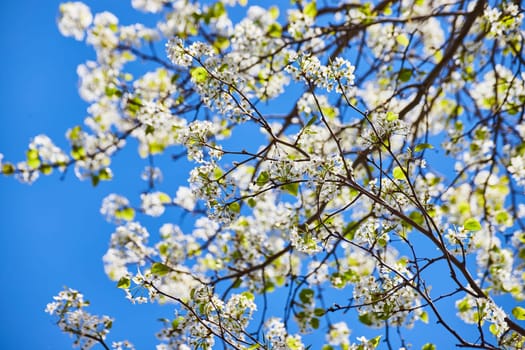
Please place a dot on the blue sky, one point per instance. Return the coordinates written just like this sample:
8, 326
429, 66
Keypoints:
52, 233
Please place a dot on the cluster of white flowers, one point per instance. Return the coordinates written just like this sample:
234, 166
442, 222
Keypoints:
122, 345
111, 206
178, 54
500, 88
387, 298
155, 86
496, 263
382, 38
279, 338
48, 153
104, 33
74, 18
153, 203
87, 329
195, 136
92, 153
475, 310
94, 79
151, 174
506, 19
127, 247
338, 335
337, 74
148, 5
517, 169
269, 205
301, 26
180, 20
185, 198
305, 241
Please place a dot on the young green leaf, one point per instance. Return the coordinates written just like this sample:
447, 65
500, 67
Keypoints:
428, 346
124, 282
398, 173
423, 146
199, 75
519, 313
127, 214
472, 225
159, 269
310, 10
402, 39
262, 179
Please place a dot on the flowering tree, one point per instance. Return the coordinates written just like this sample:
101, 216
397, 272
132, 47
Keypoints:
319, 135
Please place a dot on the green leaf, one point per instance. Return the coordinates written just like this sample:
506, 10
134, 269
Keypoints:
463, 306
319, 312
237, 283
314, 322
33, 159
249, 296
164, 198
275, 30
251, 202
310, 10
350, 230
262, 179
215, 11
274, 12
375, 341
8, 168
95, 180
235, 207
292, 188
502, 217
519, 313
105, 174
391, 116
311, 121
424, 317
402, 39
46, 169
175, 323
398, 173
78, 152
155, 148
428, 346
159, 269
306, 295
423, 146
112, 91
405, 74
199, 75
365, 319
74, 133
124, 282
127, 214
472, 225
221, 43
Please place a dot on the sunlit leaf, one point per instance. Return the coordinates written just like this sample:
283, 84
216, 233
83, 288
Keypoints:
472, 225
310, 10
402, 39
159, 269
398, 173
519, 313
124, 283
